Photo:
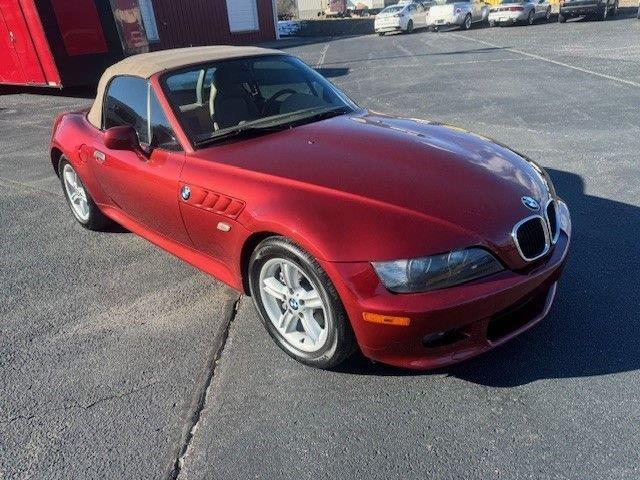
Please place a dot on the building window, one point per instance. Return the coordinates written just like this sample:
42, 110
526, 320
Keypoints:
149, 20
128, 19
243, 15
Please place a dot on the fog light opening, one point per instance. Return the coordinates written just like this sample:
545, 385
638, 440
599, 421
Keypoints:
442, 339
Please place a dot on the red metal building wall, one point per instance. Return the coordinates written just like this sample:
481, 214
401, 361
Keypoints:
205, 22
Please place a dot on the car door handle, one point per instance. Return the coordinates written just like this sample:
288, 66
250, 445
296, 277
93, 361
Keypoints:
99, 156
12, 37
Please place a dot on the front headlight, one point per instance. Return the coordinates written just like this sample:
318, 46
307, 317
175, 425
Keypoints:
437, 271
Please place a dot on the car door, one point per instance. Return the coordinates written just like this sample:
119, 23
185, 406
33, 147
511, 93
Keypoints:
143, 182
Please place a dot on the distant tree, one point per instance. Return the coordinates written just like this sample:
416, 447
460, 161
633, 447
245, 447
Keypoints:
286, 9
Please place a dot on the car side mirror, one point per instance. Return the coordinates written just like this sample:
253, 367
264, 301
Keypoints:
121, 138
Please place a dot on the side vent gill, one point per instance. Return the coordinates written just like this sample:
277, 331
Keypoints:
214, 202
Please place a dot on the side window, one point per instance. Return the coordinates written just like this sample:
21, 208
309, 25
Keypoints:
183, 87
162, 135
126, 104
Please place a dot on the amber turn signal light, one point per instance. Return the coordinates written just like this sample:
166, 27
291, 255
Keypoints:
386, 319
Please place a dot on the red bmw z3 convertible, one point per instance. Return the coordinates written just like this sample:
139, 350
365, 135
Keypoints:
419, 243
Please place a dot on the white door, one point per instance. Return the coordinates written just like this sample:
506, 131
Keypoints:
243, 15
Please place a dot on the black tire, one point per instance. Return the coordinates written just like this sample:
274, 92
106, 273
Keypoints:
466, 25
603, 13
547, 15
96, 220
409, 27
562, 18
492, 24
340, 343
381, 34
531, 17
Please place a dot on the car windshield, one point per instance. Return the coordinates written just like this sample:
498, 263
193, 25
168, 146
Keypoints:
393, 9
218, 100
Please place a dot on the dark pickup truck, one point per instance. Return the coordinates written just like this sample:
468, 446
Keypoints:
599, 9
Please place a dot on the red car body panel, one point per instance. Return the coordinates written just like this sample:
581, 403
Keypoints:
350, 190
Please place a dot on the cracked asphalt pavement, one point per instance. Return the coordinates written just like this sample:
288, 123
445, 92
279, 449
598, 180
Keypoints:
118, 360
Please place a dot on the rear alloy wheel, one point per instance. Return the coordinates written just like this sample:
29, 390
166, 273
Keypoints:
82, 205
467, 22
299, 305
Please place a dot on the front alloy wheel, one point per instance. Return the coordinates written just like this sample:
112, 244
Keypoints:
82, 205
467, 22
298, 304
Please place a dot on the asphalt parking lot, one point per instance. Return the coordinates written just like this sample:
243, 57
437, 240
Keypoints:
118, 360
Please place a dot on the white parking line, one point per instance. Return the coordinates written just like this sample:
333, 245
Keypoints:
549, 60
404, 50
323, 55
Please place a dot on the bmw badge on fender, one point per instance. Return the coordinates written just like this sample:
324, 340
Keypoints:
419, 243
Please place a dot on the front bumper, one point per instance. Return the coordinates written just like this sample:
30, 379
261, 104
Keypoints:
478, 316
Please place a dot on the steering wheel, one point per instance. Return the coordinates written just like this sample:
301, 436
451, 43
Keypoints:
268, 105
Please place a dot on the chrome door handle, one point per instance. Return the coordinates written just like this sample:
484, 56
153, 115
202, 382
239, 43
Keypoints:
12, 37
99, 156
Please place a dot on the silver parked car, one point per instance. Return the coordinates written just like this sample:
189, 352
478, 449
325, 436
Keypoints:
524, 12
461, 13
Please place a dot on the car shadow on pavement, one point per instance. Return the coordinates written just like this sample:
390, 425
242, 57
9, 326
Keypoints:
593, 327
470, 51
88, 91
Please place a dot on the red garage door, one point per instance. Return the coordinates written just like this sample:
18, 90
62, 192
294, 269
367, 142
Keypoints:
18, 59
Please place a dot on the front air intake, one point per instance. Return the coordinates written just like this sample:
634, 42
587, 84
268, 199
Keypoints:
531, 238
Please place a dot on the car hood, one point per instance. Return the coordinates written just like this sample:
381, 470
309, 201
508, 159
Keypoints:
432, 170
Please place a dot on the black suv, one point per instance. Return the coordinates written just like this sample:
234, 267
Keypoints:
599, 9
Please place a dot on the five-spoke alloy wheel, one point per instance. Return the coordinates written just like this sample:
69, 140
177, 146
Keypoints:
299, 305
82, 205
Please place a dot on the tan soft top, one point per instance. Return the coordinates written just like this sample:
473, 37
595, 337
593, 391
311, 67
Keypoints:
145, 65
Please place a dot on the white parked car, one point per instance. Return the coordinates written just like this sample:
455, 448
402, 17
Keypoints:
461, 13
519, 11
400, 18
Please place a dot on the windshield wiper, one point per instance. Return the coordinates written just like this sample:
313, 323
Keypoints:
333, 112
241, 131
253, 129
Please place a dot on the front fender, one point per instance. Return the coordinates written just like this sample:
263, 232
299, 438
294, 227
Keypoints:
72, 134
